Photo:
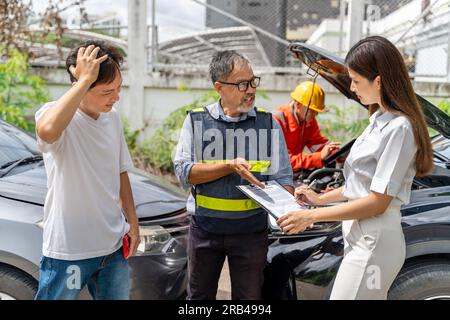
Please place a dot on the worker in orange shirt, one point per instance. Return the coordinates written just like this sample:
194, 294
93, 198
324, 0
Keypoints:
300, 127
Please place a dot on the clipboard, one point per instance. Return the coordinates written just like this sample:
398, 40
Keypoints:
265, 200
274, 199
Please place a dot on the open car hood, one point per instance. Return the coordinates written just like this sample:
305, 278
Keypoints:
333, 69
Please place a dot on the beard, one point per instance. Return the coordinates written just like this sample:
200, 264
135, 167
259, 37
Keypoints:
245, 106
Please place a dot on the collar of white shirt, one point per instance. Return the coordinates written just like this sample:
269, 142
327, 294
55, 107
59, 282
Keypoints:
380, 120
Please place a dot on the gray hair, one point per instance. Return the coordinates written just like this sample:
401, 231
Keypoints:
223, 63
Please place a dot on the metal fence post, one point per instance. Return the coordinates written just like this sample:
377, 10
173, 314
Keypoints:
137, 60
355, 22
448, 51
355, 31
154, 56
342, 6
281, 32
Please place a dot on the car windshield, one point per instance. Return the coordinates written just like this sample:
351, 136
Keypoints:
15, 144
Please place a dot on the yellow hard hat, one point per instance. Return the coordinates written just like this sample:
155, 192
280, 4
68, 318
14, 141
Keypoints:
304, 90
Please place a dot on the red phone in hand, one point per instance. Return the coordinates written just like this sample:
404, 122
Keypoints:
126, 245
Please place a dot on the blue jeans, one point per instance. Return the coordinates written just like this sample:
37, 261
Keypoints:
106, 277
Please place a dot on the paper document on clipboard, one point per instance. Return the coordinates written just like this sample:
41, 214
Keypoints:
274, 198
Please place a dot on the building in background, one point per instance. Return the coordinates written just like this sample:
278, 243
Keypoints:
288, 19
329, 33
424, 44
264, 14
294, 20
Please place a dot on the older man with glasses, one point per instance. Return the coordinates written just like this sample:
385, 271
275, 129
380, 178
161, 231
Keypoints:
223, 145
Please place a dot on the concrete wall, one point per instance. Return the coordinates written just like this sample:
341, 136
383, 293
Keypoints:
162, 94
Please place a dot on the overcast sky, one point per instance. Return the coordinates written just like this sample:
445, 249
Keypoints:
173, 17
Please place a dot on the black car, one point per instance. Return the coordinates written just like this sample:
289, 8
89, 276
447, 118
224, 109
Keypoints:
304, 266
157, 272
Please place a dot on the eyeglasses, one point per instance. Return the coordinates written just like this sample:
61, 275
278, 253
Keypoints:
243, 85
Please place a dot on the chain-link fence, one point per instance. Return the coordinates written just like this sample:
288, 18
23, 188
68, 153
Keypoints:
419, 28
262, 29
184, 34
423, 37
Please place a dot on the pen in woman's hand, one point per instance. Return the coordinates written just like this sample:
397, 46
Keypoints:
312, 184
307, 187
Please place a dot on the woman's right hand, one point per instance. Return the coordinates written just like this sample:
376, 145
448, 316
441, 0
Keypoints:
307, 195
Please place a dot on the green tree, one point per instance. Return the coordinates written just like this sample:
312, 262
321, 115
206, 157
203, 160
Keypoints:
19, 91
15, 16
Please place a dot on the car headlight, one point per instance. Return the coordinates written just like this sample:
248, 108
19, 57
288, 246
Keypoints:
157, 239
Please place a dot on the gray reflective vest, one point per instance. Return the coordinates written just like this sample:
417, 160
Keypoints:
250, 139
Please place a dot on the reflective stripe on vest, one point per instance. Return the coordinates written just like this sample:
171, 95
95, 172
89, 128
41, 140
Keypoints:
225, 204
257, 166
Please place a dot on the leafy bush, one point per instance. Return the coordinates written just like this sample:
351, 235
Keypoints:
19, 91
161, 146
156, 153
444, 106
131, 136
339, 123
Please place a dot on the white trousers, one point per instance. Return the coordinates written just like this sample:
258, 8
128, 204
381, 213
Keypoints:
374, 253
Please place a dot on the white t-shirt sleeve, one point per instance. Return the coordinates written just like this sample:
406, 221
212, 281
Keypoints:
394, 162
126, 163
44, 146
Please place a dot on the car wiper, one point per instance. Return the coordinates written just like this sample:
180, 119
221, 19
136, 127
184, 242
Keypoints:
5, 169
441, 157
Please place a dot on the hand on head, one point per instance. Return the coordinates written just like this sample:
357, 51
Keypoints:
88, 65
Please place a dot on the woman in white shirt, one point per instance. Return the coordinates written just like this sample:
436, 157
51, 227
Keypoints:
379, 172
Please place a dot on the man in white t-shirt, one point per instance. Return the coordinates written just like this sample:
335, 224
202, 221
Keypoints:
89, 209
